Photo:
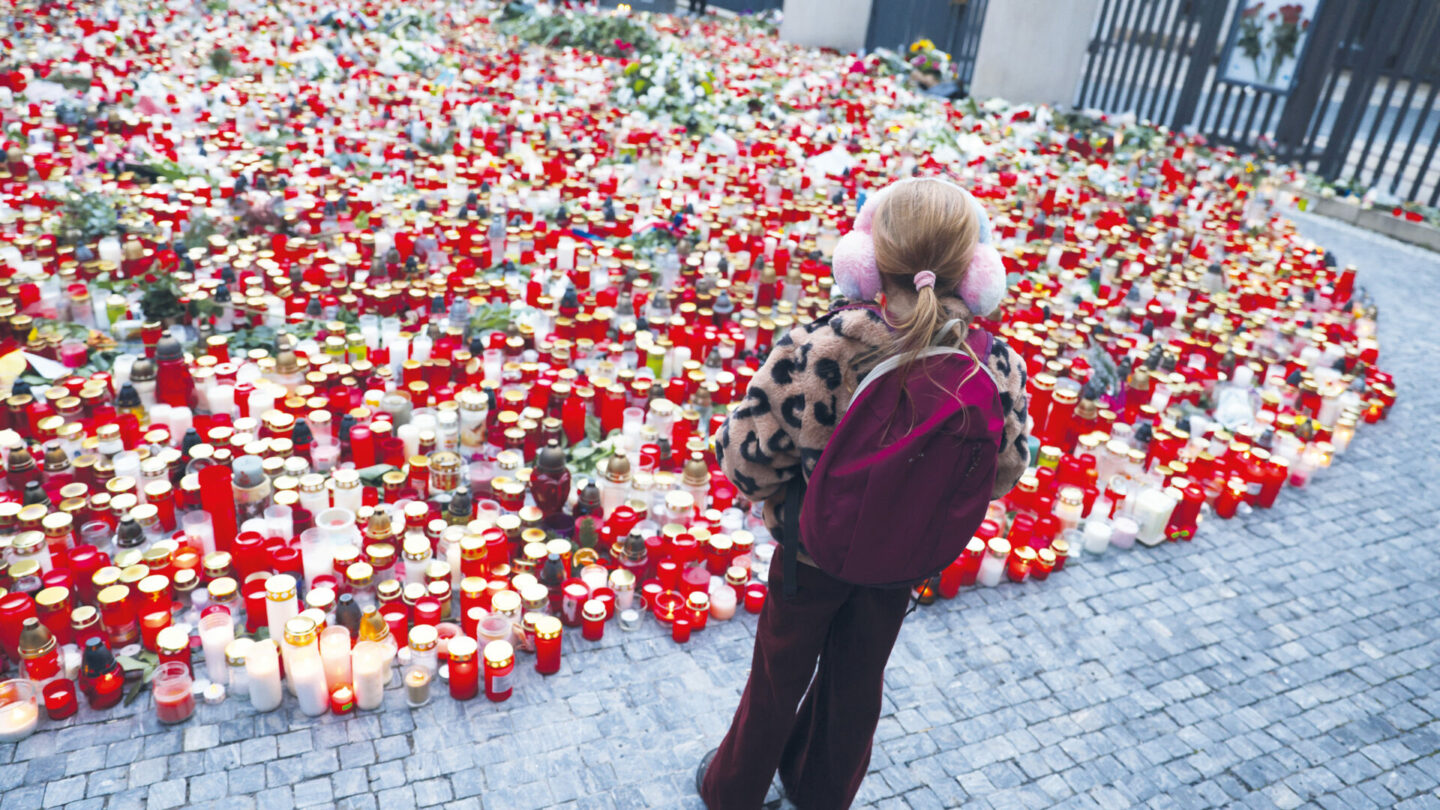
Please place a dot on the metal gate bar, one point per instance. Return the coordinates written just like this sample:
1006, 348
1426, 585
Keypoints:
1350, 113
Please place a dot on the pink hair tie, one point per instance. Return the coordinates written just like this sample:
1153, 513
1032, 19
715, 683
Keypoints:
924, 279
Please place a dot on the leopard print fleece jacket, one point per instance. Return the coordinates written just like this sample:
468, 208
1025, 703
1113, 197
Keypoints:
797, 398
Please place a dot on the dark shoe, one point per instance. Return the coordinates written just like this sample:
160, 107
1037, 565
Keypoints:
704, 766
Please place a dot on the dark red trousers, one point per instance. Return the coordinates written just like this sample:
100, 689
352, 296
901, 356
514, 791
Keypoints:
821, 746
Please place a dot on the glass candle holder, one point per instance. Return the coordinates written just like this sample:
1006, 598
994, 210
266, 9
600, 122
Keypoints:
19, 709
174, 702
417, 686
629, 619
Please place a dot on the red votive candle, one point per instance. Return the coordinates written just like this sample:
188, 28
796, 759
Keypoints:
499, 670
217, 498
399, 624
593, 620
755, 596
60, 700
572, 597
695, 578
427, 611
254, 605
680, 631
668, 572
547, 645
342, 700
606, 598
464, 669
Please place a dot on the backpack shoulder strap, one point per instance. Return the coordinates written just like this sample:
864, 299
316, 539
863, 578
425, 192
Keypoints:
790, 534
889, 364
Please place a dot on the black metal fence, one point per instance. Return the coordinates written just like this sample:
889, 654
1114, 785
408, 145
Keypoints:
1361, 107
953, 25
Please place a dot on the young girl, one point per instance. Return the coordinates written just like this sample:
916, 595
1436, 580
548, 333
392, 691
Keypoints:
925, 234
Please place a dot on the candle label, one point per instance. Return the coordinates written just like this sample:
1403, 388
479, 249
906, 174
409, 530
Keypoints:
500, 684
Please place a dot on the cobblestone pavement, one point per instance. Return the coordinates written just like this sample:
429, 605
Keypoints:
1280, 659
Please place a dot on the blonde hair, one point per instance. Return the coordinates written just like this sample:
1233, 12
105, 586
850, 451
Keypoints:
924, 225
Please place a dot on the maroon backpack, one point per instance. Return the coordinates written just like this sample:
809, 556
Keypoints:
907, 476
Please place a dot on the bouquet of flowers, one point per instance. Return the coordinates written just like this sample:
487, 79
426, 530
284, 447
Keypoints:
928, 64
1289, 22
605, 34
670, 85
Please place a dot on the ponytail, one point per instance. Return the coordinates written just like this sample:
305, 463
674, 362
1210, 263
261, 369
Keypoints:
915, 333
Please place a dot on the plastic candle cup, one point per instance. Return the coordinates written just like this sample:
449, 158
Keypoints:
262, 670
371, 669
499, 670
755, 594
217, 630
1097, 537
1122, 532
463, 668
547, 645
60, 699
199, 531
335, 652
281, 604
680, 630
722, 603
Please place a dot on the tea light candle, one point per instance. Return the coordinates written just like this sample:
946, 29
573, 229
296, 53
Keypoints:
18, 720
629, 619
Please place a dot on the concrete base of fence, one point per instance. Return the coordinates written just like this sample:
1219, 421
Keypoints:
1032, 51
1384, 222
838, 24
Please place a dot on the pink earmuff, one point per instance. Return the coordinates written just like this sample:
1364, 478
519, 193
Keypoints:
858, 276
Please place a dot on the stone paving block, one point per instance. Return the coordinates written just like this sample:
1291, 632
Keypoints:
170, 793
106, 781
215, 785
398, 798
430, 792
353, 755
201, 738
387, 748
23, 798
62, 791
147, 772
247, 779
387, 775
85, 760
